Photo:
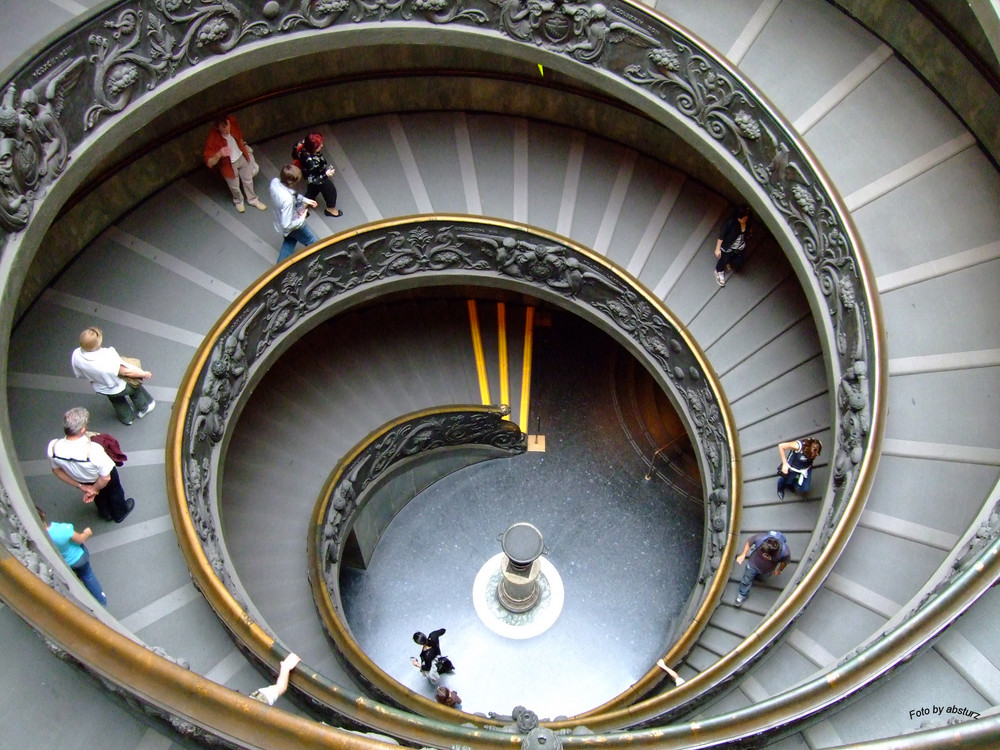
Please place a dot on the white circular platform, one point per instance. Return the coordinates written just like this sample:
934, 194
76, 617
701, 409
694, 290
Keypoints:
517, 625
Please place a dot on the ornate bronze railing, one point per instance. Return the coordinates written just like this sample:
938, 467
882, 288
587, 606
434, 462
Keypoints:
457, 435
88, 88
406, 253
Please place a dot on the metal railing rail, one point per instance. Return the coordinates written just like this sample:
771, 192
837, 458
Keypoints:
116, 59
476, 432
405, 253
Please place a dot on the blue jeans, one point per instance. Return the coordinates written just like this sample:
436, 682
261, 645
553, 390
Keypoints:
303, 234
750, 574
86, 574
790, 481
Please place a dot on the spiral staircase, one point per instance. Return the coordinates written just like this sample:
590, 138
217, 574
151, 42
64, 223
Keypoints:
163, 265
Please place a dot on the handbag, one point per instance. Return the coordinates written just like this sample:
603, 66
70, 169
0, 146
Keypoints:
254, 166
132, 362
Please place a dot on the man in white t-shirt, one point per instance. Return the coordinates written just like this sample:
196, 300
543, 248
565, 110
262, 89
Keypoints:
81, 463
106, 371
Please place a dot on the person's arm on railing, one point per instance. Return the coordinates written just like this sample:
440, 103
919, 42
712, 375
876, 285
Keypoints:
743, 554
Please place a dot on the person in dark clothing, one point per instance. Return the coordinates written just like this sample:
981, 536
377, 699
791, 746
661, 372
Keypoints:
731, 246
430, 662
765, 554
318, 174
795, 471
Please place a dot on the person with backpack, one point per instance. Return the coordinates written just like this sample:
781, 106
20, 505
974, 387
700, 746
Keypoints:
795, 471
83, 463
308, 155
765, 554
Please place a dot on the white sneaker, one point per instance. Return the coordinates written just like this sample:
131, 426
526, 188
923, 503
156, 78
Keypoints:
144, 412
720, 278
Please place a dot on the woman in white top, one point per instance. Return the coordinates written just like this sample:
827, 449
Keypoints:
105, 370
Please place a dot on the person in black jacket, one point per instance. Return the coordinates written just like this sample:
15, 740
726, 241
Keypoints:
732, 244
319, 175
431, 664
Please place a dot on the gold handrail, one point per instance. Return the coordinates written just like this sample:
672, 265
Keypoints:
242, 625
159, 682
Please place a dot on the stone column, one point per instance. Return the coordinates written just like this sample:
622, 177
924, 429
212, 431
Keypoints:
522, 545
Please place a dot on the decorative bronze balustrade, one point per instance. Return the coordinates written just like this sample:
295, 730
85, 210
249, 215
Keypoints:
55, 105
423, 251
476, 433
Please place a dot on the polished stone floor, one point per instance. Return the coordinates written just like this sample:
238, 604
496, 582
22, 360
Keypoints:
625, 550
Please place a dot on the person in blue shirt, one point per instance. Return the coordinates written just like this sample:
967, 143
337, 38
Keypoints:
69, 542
765, 554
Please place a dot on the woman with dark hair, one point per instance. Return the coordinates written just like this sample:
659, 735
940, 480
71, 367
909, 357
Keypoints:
318, 173
795, 472
732, 244
430, 662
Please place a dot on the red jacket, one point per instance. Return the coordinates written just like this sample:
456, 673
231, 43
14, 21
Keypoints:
216, 140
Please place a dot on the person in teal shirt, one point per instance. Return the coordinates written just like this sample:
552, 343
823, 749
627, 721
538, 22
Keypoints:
69, 542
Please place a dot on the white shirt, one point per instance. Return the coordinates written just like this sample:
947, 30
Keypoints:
101, 368
234, 150
82, 459
286, 218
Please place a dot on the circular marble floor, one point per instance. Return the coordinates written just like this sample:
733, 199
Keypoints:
626, 550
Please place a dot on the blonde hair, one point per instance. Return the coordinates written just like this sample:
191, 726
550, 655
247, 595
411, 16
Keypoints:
91, 339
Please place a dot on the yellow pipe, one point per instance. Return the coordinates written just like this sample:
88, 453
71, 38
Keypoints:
477, 350
529, 338
502, 347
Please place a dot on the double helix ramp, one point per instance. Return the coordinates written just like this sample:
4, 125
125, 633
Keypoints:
922, 194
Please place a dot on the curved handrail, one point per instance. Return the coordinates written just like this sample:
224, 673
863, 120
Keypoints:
678, 82
350, 487
415, 251
193, 705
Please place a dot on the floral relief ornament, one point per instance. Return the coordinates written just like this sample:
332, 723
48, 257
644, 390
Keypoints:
582, 30
141, 49
34, 148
